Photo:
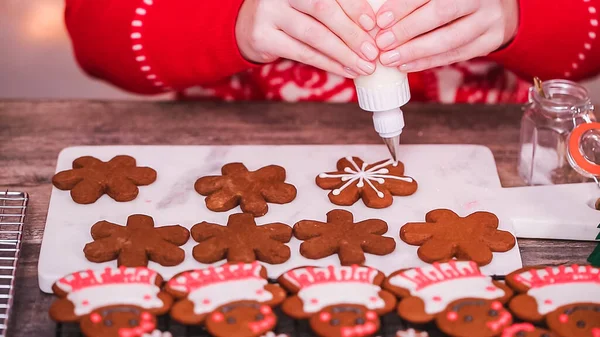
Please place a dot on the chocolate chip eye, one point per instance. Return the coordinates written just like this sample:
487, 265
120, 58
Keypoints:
468, 318
231, 320
108, 322
360, 321
493, 313
581, 324
334, 322
225, 310
259, 317
520, 334
133, 322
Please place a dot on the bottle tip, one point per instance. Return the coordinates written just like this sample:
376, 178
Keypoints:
393, 145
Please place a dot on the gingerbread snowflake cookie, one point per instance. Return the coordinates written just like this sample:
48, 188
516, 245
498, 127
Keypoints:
342, 236
233, 300
339, 301
90, 178
445, 235
526, 330
251, 190
375, 183
241, 241
111, 302
137, 242
567, 298
427, 291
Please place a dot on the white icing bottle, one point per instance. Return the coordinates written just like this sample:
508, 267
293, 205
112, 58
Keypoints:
383, 93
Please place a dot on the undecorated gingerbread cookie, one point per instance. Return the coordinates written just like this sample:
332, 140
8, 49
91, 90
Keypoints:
111, 302
474, 317
90, 178
428, 291
567, 297
339, 301
376, 184
342, 236
445, 235
526, 330
233, 300
137, 242
251, 190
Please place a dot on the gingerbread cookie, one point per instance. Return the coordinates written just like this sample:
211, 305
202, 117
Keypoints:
341, 236
411, 333
427, 291
375, 183
445, 235
111, 302
241, 241
90, 178
233, 300
568, 297
251, 190
526, 330
137, 242
340, 301
474, 317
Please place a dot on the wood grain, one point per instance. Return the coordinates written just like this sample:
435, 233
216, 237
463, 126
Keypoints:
33, 133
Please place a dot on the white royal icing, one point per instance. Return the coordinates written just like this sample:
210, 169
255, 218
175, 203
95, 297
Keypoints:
319, 296
157, 333
377, 173
553, 287
211, 296
440, 284
411, 333
88, 299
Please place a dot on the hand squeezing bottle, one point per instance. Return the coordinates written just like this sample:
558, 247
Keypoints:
383, 93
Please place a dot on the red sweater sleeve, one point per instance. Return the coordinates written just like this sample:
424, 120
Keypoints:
151, 46
555, 39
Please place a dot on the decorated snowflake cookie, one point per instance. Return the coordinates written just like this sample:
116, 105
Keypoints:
339, 301
233, 300
566, 297
375, 183
111, 302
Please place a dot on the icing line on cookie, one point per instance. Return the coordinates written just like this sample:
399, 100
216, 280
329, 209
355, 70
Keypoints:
377, 173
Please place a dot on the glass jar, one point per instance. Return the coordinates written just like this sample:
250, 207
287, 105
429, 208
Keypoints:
548, 154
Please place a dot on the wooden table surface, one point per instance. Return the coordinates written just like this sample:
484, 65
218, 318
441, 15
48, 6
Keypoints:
33, 133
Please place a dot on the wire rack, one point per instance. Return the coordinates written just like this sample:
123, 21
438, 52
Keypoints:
12, 215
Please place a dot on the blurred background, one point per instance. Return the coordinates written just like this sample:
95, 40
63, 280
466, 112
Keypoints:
36, 60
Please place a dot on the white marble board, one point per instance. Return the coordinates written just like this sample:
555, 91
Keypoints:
445, 174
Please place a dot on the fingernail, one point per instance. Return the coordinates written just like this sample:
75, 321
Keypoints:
366, 22
385, 39
366, 67
369, 50
385, 19
351, 72
390, 57
407, 67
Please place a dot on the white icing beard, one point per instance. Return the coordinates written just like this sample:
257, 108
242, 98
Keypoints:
319, 296
212, 296
437, 296
141, 295
377, 173
553, 296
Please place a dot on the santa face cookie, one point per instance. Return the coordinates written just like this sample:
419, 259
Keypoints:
111, 300
526, 330
474, 318
339, 300
233, 300
546, 290
427, 291
576, 320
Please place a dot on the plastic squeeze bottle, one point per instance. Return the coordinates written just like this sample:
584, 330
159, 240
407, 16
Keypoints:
383, 93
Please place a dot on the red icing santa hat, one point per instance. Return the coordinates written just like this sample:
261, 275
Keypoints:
322, 287
92, 289
212, 287
553, 287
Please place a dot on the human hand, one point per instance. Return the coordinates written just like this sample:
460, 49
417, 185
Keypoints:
423, 34
326, 34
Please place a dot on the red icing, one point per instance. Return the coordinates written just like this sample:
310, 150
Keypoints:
217, 317
496, 305
371, 315
206, 301
563, 318
548, 301
325, 317
265, 310
436, 298
192, 280
91, 278
535, 278
314, 301
305, 277
511, 331
146, 326
95, 318
452, 316
442, 272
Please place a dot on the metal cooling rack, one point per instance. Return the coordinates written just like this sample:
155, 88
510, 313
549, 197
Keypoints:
12, 215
